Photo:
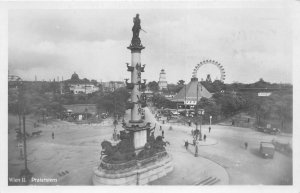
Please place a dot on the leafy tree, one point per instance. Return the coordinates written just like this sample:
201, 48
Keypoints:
114, 102
153, 86
160, 101
210, 107
181, 82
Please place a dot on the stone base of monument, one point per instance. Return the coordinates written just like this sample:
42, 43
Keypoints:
140, 173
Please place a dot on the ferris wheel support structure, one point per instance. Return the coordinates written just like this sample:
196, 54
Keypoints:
217, 64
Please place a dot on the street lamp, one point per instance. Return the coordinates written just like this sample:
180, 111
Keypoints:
198, 112
201, 113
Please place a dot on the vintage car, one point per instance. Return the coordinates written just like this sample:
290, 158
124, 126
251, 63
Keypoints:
267, 149
272, 131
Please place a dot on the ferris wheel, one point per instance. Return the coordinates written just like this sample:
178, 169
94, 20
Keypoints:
209, 62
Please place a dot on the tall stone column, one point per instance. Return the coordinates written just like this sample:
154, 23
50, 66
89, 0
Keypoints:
136, 126
135, 79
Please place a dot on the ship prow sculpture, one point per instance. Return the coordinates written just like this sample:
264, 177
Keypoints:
139, 157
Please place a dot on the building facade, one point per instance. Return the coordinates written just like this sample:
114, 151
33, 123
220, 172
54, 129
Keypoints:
112, 85
87, 88
190, 94
81, 86
162, 83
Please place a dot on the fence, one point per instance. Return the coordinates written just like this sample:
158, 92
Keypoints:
133, 163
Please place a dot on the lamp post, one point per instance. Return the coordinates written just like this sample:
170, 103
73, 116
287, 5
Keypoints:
201, 112
196, 112
185, 98
86, 111
115, 115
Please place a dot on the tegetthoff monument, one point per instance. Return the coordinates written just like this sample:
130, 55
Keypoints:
139, 157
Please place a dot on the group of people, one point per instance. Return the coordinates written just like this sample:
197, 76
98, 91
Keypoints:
196, 137
197, 134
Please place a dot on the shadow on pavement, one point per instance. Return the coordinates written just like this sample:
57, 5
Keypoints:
255, 151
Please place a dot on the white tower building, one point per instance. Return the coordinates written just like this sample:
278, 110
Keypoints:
162, 83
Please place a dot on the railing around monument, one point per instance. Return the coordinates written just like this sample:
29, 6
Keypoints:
117, 166
156, 157
133, 163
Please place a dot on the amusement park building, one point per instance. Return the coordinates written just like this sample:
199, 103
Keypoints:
187, 96
162, 83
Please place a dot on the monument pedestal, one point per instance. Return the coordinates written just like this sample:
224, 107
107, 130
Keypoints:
140, 174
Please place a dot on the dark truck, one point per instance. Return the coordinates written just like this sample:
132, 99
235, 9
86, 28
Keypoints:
267, 149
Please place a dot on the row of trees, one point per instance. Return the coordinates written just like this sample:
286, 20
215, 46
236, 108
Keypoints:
171, 88
114, 102
33, 99
42, 99
276, 109
227, 101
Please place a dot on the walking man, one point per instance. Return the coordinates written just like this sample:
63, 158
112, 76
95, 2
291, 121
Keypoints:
186, 144
204, 137
52, 135
162, 133
209, 128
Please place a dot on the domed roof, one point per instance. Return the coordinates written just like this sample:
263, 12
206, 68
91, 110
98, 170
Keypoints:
75, 77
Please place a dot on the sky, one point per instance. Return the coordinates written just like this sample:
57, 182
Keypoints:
250, 43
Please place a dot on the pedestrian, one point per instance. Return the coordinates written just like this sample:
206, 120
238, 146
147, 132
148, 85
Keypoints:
196, 148
160, 128
209, 128
162, 133
204, 137
246, 145
186, 144
52, 135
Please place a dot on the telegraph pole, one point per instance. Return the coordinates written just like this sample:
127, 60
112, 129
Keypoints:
185, 97
25, 173
115, 115
196, 112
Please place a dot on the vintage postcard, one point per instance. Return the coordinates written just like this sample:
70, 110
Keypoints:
164, 94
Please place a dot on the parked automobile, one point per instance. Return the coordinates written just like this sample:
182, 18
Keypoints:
104, 115
272, 131
175, 113
267, 149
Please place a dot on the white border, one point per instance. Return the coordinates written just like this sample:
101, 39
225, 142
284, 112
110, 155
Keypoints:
293, 5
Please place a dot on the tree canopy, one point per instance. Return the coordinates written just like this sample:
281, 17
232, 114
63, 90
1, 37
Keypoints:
153, 86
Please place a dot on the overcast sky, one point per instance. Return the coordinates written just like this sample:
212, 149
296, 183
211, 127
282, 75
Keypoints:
250, 43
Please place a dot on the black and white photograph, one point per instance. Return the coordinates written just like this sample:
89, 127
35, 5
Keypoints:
135, 93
